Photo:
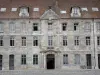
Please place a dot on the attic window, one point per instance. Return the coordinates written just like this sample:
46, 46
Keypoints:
36, 9
3, 9
63, 12
84, 9
75, 12
95, 9
24, 12
14, 9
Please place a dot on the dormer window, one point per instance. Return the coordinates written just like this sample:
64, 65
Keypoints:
75, 12
24, 12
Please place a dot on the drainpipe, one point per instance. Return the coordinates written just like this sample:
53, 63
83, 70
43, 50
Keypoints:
94, 60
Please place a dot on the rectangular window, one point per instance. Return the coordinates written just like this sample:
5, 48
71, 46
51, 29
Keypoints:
64, 40
50, 26
1, 27
76, 41
75, 26
98, 26
35, 41
88, 26
64, 26
98, 40
35, 59
23, 59
11, 62
1, 62
88, 61
1, 40
35, 26
23, 41
75, 12
88, 42
50, 40
11, 41
65, 59
77, 58
12, 27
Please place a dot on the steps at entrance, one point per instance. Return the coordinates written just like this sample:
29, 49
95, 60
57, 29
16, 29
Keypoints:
51, 72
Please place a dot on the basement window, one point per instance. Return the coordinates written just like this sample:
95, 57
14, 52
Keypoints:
3, 9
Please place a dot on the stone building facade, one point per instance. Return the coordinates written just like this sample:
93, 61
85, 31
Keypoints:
50, 41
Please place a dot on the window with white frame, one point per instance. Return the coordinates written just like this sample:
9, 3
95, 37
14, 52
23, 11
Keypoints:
35, 59
35, 41
84, 9
12, 27
64, 26
11, 41
64, 40
76, 26
98, 40
24, 12
14, 9
35, 27
1, 40
76, 40
23, 41
3, 9
75, 12
95, 9
23, 59
50, 40
1, 58
77, 58
88, 26
23, 26
36, 9
1, 27
65, 59
88, 40
50, 26
98, 26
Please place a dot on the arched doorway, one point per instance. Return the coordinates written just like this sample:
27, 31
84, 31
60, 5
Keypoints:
50, 61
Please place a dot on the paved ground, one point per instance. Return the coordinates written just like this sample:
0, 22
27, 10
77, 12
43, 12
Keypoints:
51, 72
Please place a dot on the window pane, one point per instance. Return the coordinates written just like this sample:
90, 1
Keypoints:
1, 62
77, 58
11, 41
35, 41
65, 59
64, 40
35, 59
35, 26
1, 40
64, 26
23, 59
23, 41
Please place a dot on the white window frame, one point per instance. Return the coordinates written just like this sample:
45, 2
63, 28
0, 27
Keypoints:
77, 59
1, 27
35, 40
65, 59
75, 12
1, 41
87, 27
23, 41
35, 59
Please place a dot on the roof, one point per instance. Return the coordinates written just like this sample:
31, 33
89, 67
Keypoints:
43, 6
